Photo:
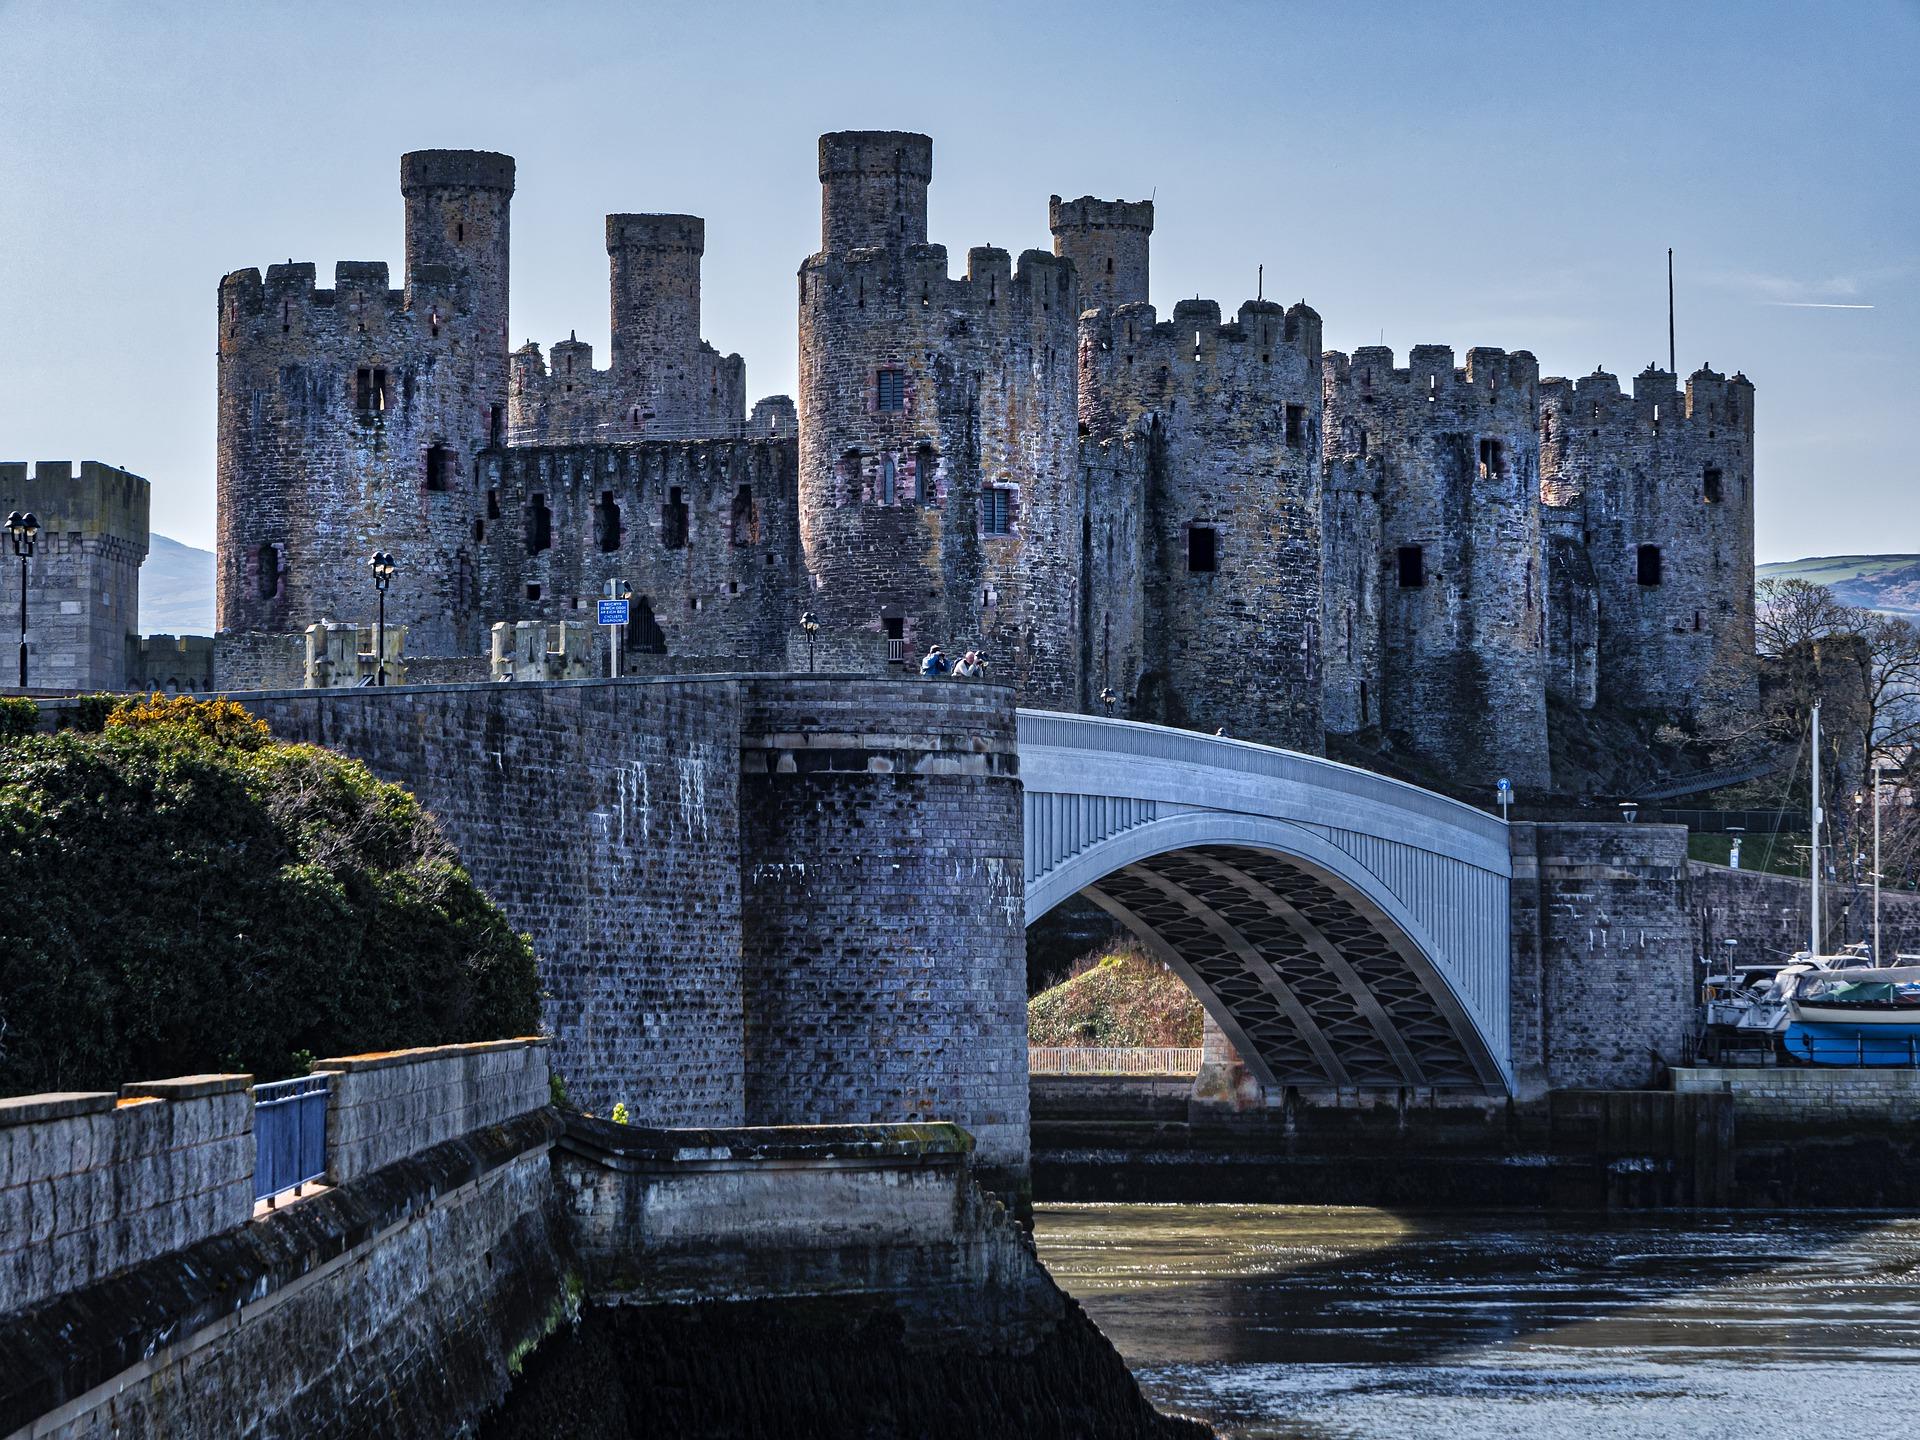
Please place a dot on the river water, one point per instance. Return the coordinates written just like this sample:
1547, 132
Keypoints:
1350, 1324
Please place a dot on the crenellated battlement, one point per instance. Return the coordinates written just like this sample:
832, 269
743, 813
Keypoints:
1712, 402
1430, 370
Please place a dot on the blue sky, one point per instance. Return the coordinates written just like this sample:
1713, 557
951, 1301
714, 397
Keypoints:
1451, 173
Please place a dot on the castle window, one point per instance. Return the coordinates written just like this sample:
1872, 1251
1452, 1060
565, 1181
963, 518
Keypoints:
673, 521
493, 504
1296, 427
370, 393
644, 635
996, 510
267, 571
896, 631
1203, 549
606, 523
889, 480
439, 468
539, 525
1710, 486
1649, 565
479, 531
925, 467
1413, 567
1109, 264
746, 517
533, 592
889, 389
496, 424
1493, 460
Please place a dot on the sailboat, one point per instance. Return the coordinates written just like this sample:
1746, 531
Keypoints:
1847, 1010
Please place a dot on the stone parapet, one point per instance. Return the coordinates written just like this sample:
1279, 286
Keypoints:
91, 1183
1785, 1097
387, 1105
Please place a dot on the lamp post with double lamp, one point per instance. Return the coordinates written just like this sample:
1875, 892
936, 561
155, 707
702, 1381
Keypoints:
810, 623
383, 567
22, 530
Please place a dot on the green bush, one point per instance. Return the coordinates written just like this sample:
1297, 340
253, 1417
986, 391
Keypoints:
18, 716
183, 894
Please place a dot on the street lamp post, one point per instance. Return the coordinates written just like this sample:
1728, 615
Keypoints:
810, 623
382, 564
22, 530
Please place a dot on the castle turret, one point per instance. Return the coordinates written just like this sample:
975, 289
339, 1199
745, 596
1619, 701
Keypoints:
939, 489
1107, 241
350, 418
664, 382
1657, 488
1438, 465
873, 188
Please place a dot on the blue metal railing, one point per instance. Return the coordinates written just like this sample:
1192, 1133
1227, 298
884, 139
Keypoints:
290, 1130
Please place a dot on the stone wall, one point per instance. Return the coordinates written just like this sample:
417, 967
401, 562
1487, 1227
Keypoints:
83, 580
705, 533
384, 1107
93, 1183
1603, 954
883, 895
172, 664
1767, 917
602, 817
394, 1301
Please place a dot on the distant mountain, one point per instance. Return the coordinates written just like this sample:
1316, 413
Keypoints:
176, 589
1874, 582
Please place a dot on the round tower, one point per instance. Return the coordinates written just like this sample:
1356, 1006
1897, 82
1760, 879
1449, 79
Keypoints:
654, 264
1107, 241
873, 188
938, 453
457, 208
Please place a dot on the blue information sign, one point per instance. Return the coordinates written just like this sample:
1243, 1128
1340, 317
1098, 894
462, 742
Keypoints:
613, 612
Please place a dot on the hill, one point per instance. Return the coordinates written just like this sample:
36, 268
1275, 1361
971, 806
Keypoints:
1874, 582
176, 589
1122, 998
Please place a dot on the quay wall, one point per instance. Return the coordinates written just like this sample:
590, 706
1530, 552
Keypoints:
1829, 1097
392, 1300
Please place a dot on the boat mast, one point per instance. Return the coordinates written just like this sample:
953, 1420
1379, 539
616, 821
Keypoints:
1813, 838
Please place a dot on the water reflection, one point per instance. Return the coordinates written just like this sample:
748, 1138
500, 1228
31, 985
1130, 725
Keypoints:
1306, 1321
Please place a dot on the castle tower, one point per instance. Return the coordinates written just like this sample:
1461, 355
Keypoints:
873, 189
83, 582
1452, 456
350, 418
939, 485
1107, 241
654, 265
1202, 458
1657, 490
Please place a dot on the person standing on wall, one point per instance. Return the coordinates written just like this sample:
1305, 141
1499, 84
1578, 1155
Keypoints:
934, 664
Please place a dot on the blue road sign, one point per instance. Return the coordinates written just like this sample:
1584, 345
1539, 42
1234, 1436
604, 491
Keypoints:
613, 612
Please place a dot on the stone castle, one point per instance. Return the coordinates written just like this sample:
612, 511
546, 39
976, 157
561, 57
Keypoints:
1198, 520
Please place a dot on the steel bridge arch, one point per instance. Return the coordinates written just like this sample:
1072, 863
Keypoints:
1343, 929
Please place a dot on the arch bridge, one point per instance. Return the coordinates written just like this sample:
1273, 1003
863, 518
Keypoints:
1343, 929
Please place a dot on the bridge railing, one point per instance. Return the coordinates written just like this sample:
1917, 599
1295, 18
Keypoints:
290, 1131
1113, 1059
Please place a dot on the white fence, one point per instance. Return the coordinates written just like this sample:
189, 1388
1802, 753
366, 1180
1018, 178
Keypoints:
1113, 1059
